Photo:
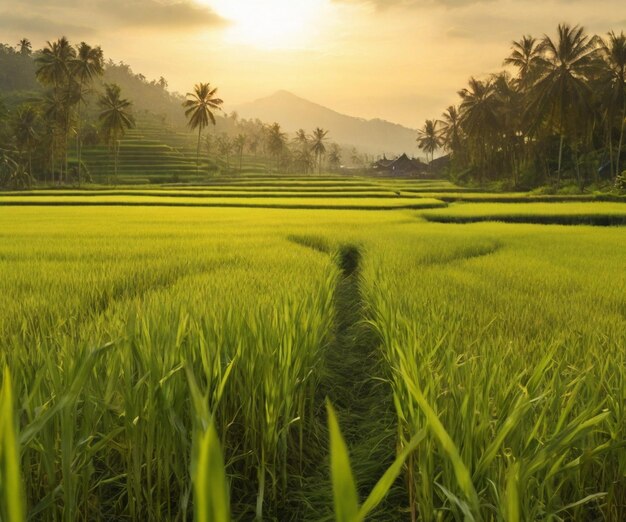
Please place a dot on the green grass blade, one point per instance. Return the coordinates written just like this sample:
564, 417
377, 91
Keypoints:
386, 481
212, 502
11, 499
345, 496
512, 494
461, 472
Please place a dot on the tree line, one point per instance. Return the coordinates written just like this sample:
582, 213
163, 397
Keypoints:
557, 113
52, 122
62, 102
304, 153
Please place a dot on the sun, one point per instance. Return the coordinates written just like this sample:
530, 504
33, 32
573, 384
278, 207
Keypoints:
270, 24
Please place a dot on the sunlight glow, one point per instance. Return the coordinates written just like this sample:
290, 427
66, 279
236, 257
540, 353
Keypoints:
270, 24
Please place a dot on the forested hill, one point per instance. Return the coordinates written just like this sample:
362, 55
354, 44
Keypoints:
18, 83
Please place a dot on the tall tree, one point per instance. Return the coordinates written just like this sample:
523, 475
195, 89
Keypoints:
276, 142
53, 70
209, 145
479, 121
253, 144
562, 93
53, 109
451, 130
318, 146
613, 81
334, 156
510, 109
85, 66
24, 46
525, 56
239, 144
115, 117
199, 108
303, 153
429, 138
25, 132
225, 147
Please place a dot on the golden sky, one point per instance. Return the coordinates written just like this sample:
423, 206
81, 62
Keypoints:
400, 60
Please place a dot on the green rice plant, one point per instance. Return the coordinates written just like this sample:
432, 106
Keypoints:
588, 213
212, 502
514, 378
507, 338
11, 494
279, 202
345, 497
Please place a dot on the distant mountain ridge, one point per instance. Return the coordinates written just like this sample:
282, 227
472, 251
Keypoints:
292, 112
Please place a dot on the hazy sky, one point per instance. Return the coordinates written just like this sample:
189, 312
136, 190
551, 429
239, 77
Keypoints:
401, 60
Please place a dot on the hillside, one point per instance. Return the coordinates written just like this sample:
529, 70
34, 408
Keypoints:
292, 112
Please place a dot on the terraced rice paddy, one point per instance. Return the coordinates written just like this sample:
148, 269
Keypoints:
143, 341
596, 213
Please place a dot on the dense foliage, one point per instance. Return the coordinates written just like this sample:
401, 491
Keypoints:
557, 112
51, 123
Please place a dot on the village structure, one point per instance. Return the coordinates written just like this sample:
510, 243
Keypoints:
403, 166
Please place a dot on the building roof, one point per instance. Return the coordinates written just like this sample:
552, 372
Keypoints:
402, 164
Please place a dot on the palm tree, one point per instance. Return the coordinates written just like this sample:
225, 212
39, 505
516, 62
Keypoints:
614, 82
318, 147
304, 160
276, 141
25, 132
25, 47
334, 156
511, 136
199, 109
53, 108
209, 143
225, 147
562, 93
479, 120
525, 55
451, 130
429, 138
53, 70
301, 140
253, 144
115, 118
239, 143
88, 63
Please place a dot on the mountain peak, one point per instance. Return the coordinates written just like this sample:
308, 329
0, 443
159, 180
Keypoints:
293, 113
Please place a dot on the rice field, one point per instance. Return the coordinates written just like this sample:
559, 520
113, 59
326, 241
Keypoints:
198, 361
587, 213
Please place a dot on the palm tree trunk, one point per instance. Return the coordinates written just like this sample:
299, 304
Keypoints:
109, 165
579, 179
610, 140
52, 159
116, 148
79, 144
621, 141
198, 151
66, 159
558, 178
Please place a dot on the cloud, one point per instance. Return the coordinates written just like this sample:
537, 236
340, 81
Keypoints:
387, 4
155, 13
39, 25
69, 16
